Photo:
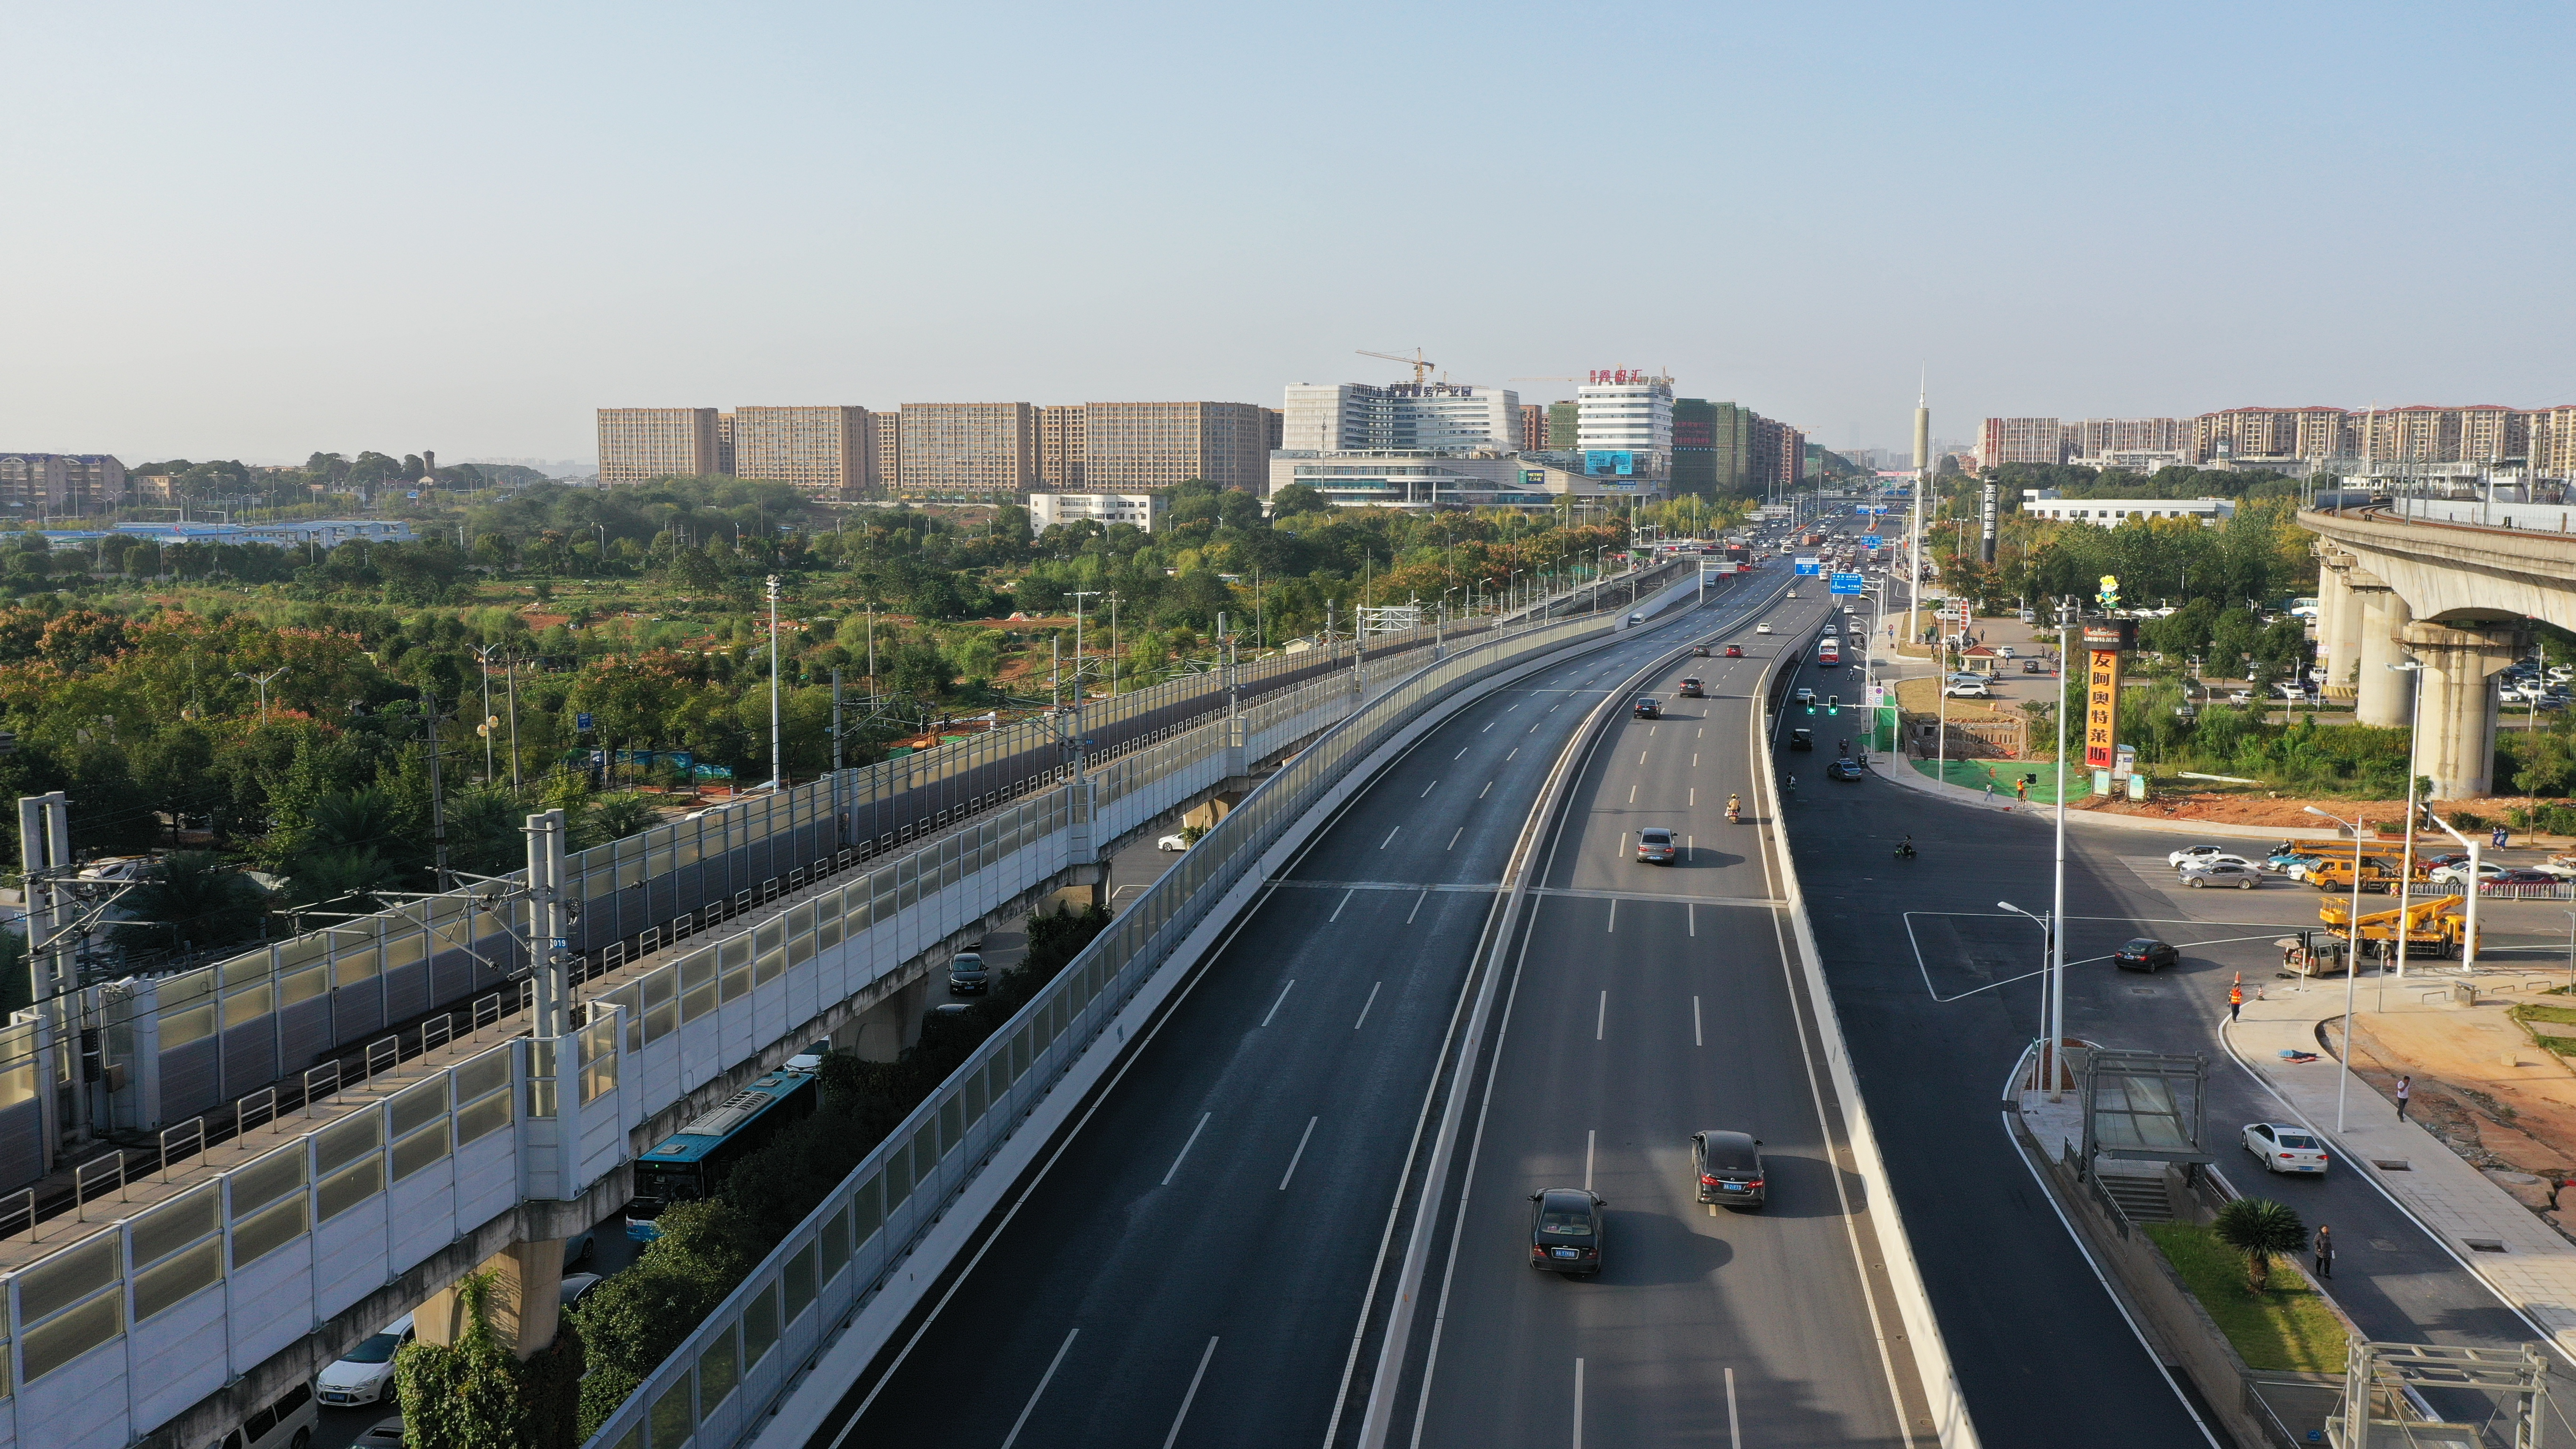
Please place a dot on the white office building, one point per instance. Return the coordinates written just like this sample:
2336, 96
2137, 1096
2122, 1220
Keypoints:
1366, 478
1435, 417
1623, 424
2112, 512
1145, 510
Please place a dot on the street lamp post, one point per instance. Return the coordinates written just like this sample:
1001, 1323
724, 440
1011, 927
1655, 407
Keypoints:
2406, 856
2050, 1037
262, 681
2352, 958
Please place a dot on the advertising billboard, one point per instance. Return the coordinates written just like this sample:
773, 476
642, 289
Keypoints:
1609, 462
2101, 708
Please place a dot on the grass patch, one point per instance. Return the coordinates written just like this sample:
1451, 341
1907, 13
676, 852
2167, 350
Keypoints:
2288, 1327
2533, 1011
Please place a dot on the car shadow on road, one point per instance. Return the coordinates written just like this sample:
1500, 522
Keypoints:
1650, 1247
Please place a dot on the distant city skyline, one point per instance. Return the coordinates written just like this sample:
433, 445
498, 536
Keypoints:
482, 264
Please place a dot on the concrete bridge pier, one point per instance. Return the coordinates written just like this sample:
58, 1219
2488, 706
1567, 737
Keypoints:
524, 1305
2385, 697
2455, 740
2338, 622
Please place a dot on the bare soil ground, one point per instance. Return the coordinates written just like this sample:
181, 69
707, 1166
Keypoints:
2290, 812
2520, 1117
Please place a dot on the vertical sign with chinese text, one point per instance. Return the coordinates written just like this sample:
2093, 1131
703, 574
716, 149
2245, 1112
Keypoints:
2101, 708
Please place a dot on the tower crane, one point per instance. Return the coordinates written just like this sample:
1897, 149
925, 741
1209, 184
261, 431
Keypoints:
1422, 367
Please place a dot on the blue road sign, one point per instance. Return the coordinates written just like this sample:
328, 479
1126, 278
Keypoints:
580, 721
1809, 564
1847, 584
1869, 541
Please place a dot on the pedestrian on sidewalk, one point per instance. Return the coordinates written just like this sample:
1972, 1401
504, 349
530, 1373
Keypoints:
2325, 1251
2500, 837
2021, 789
2235, 1001
1990, 791
2405, 1089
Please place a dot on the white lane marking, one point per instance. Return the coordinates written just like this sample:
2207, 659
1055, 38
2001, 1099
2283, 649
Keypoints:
1701, 735
1174, 1437
1601, 1013
1300, 1152
1453, 838
1578, 1404
1489, 724
1690, 918
1488, 784
1694, 796
1641, 757
1533, 729
1346, 900
1614, 920
1284, 990
1427, 789
1650, 730
1462, 754
1390, 837
1734, 1426
1052, 1365
1622, 851
1186, 1146
1694, 759
1417, 905
1507, 759
1690, 851
1591, 1141
1632, 794
1696, 1038
1374, 989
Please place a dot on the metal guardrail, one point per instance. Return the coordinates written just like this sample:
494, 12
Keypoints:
724, 1378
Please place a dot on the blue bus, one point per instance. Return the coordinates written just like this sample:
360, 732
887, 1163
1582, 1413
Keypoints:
692, 1163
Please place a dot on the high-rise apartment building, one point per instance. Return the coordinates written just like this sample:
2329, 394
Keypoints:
1130, 447
61, 482
2020, 440
966, 449
2095, 437
1060, 447
1533, 427
2553, 442
1694, 446
640, 443
724, 444
889, 431
1439, 417
829, 452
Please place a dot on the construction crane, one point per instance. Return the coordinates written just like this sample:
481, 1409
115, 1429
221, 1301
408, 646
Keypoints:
1421, 366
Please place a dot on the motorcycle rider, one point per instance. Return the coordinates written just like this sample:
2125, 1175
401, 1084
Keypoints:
1734, 809
1905, 848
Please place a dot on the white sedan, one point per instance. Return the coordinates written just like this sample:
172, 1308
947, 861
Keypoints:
1762, 628
2281, 1147
2190, 853
2215, 858
1173, 841
2454, 874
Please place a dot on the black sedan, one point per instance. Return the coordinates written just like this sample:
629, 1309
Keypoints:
1843, 770
1648, 707
1565, 1230
1729, 1167
1802, 739
2146, 953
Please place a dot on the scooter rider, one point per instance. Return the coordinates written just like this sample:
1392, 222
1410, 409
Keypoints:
1734, 809
1905, 848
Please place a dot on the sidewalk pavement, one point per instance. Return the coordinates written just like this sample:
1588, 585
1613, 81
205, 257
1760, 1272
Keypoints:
2525, 1261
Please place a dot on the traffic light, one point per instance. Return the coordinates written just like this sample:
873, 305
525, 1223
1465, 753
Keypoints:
1833, 704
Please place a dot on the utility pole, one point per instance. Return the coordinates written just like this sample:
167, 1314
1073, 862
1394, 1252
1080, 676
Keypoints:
510, 685
836, 719
549, 927
777, 758
437, 788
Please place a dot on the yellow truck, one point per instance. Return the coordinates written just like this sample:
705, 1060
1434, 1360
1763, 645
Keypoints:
2434, 927
2379, 871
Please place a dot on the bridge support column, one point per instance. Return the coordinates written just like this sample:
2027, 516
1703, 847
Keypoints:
2338, 623
2385, 697
885, 1029
2455, 736
524, 1306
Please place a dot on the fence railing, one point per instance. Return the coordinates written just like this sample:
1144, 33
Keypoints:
716, 1387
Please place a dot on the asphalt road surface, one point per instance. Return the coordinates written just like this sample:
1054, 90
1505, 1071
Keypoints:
1938, 998
1650, 1002
1191, 1269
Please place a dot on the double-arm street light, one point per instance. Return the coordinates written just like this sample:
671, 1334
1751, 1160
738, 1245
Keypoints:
262, 681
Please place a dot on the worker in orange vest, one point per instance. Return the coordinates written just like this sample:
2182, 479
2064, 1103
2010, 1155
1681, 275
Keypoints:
2235, 1001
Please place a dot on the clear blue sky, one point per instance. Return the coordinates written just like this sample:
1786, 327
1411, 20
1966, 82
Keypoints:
258, 231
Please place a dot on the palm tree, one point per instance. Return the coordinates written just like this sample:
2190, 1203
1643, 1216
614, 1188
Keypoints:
2259, 1228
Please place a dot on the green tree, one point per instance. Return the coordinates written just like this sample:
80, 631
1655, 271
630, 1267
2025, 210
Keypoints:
193, 899
464, 1395
1298, 498
2260, 1229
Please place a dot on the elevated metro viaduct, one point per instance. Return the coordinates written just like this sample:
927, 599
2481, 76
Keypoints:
2455, 597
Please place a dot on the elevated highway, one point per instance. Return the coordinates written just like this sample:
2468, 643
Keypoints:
2454, 597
